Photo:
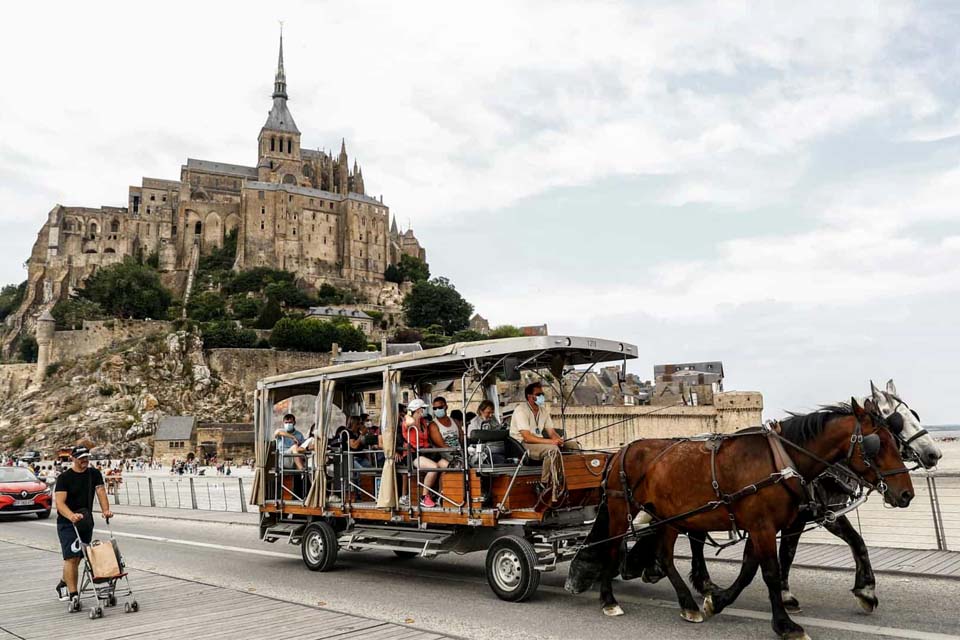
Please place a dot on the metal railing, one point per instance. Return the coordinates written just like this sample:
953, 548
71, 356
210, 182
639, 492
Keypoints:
208, 494
931, 522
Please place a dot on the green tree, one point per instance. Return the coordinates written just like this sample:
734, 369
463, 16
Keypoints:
289, 294
225, 333
269, 314
437, 302
350, 338
506, 331
393, 274
434, 340
255, 279
127, 290
71, 312
406, 335
243, 307
28, 348
468, 335
207, 306
414, 269
11, 296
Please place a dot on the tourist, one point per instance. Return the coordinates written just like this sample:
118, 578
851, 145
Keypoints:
485, 420
417, 436
446, 433
289, 433
532, 426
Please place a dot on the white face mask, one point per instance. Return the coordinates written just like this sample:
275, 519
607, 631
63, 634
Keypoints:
540, 399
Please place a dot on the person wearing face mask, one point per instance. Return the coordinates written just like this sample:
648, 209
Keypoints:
417, 436
532, 426
445, 432
289, 435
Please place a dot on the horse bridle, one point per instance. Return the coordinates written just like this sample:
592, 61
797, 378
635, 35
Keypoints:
867, 442
906, 451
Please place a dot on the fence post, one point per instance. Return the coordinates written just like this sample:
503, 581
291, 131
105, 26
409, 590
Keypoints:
193, 494
116, 494
224, 487
937, 513
153, 502
243, 501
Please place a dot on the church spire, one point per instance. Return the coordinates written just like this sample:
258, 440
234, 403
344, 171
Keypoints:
280, 82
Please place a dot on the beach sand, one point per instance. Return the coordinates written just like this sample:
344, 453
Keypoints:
951, 455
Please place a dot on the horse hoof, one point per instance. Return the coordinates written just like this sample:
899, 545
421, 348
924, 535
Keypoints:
691, 616
790, 602
867, 599
612, 610
708, 610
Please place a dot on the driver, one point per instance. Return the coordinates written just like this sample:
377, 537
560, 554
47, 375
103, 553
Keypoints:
532, 426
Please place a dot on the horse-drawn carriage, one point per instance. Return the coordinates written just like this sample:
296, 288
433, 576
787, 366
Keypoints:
326, 501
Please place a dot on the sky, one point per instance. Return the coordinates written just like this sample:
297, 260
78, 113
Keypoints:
774, 185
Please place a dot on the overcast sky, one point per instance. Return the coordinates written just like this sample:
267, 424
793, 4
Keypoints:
773, 186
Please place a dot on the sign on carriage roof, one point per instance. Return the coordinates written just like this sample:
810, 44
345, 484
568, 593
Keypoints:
579, 350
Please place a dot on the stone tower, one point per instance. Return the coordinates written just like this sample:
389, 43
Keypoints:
45, 327
278, 145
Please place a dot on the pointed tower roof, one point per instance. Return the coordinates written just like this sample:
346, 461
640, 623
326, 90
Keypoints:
393, 227
279, 118
343, 147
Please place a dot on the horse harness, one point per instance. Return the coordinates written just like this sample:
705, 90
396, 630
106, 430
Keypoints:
869, 446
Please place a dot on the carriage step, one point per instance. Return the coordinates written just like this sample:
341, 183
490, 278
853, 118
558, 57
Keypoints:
289, 530
423, 542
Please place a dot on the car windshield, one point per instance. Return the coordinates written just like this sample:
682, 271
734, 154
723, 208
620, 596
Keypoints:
16, 474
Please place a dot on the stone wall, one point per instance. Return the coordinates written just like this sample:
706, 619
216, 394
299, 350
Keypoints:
732, 411
15, 378
102, 334
243, 367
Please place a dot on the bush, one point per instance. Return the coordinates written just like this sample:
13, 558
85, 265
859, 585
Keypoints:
312, 334
53, 368
437, 302
242, 307
393, 274
207, 306
289, 294
71, 312
506, 331
406, 335
269, 314
468, 335
11, 296
255, 279
128, 290
153, 260
28, 348
226, 333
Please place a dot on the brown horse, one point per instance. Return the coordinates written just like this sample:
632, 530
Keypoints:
698, 486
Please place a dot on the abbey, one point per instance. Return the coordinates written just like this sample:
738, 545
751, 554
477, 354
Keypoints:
298, 209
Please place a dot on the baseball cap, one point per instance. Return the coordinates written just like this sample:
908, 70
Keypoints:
80, 451
415, 404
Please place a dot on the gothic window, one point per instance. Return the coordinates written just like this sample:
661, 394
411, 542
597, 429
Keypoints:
294, 231
164, 198
273, 142
173, 231
331, 205
153, 197
114, 227
263, 211
148, 209
261, 225
198, 228
289, 145
93, 230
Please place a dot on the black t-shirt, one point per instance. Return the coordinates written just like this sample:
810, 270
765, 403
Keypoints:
80, 488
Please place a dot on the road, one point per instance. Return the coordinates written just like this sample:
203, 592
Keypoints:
450, 595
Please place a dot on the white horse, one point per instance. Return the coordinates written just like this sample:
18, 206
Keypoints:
916, 443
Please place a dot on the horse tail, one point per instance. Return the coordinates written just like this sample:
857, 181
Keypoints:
590, 561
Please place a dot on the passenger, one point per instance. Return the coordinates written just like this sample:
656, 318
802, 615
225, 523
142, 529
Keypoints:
356, 433
457, 416
420, 438
486, 420
532, 426
446, 433
289, 432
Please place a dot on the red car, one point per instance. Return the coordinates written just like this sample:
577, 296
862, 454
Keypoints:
21, 492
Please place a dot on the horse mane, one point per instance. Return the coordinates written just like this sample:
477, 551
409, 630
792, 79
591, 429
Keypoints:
801, 428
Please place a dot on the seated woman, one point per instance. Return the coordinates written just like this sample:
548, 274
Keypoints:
446, 433
417, 435
485, 420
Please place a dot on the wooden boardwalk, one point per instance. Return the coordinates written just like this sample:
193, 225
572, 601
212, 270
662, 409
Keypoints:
922, 562
169, 607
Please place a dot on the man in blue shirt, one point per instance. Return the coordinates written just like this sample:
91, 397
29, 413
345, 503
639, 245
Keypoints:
289, 433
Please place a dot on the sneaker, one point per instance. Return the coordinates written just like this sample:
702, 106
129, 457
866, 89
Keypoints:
62, 594
427, 501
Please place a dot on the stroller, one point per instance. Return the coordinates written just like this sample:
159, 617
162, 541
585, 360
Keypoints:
103, 571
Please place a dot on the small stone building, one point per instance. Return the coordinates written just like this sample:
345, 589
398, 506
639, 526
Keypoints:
174, 439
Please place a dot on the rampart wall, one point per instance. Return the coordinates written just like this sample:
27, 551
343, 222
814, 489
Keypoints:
243, 367
102, 334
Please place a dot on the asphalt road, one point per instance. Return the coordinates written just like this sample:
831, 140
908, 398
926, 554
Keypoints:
449, 594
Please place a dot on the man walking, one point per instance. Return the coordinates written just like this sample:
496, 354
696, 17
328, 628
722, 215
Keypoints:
74, 498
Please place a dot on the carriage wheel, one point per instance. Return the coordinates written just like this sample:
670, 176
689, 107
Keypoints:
512, 568
319, 546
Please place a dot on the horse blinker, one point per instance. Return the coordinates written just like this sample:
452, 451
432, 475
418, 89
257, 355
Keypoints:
871, 445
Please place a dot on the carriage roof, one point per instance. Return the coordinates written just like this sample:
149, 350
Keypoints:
452, 360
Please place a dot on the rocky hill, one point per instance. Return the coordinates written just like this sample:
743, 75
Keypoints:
117, 396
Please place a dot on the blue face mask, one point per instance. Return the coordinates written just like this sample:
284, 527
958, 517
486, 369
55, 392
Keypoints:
289, 427
540, 399
440, 412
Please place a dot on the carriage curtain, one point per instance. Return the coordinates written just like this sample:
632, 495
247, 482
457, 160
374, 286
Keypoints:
317, 498
260, 471
387, 497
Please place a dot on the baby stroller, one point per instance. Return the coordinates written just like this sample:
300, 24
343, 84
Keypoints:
103, 571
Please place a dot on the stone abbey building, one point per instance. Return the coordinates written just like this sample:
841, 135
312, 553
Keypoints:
298, 209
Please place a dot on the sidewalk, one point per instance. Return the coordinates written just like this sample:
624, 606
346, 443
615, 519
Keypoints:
251, 518
169, 608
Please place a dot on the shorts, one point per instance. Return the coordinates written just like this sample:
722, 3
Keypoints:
69, 544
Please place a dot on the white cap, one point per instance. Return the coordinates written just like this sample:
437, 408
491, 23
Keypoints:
415, 404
